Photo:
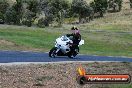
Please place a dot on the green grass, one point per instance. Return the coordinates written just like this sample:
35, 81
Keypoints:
29, 38
112, 43
96, 43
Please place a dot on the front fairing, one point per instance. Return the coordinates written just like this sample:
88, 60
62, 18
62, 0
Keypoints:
62, 40
61, 43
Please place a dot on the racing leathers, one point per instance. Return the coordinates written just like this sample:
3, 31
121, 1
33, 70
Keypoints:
76, 38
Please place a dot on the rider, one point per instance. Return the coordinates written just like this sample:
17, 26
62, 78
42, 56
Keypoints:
76, 38
77, 35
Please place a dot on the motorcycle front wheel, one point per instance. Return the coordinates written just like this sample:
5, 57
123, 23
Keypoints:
52, 52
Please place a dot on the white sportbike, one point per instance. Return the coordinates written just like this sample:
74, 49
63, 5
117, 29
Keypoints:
62, 47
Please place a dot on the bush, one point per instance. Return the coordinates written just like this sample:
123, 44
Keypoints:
33, 5
17, 7
99, 6
28, 18
43, 22
27, 22
30, 11
81, 8
10, 16
3, 6
119, 3
115, 5
54, 9
13, 15
130, 3
1, 18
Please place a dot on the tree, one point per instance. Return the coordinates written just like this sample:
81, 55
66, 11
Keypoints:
18, 8
130, 3
33, 5
119, 2
10, 16
81, 8
60, 6
54, 9
47, 11
115, 5
99, 6
3, 7
44, 22
1, 18
14, 14
28, 18
30, 12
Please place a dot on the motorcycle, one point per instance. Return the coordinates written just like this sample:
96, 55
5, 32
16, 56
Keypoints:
62, 47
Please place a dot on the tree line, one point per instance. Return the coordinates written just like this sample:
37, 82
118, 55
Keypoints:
45, 12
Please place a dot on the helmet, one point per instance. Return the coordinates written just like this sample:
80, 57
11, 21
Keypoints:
76, 28
72, 28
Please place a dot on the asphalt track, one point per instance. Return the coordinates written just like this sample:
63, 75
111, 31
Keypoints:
21, 56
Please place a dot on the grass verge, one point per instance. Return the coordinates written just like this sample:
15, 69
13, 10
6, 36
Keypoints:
96, 42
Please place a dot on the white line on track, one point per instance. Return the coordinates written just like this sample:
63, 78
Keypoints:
60, 62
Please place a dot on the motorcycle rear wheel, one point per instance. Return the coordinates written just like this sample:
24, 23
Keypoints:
73, 54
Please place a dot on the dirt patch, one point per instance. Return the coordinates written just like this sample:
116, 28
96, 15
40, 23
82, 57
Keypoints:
57, 75
8, 45
5, 42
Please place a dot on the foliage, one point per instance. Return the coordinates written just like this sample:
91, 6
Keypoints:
130, 3
3, 6
30, 13
54, 9
14, 13
116, 5
81, 8
18, 9
45, 21
26, 11
1, 16
10, 16
99, 6
33, 6
28, 18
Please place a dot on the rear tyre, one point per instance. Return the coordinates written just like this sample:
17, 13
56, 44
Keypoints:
52, 52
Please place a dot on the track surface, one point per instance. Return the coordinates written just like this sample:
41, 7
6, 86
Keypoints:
19, 56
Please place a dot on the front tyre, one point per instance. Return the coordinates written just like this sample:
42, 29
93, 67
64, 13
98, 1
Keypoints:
52, 52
